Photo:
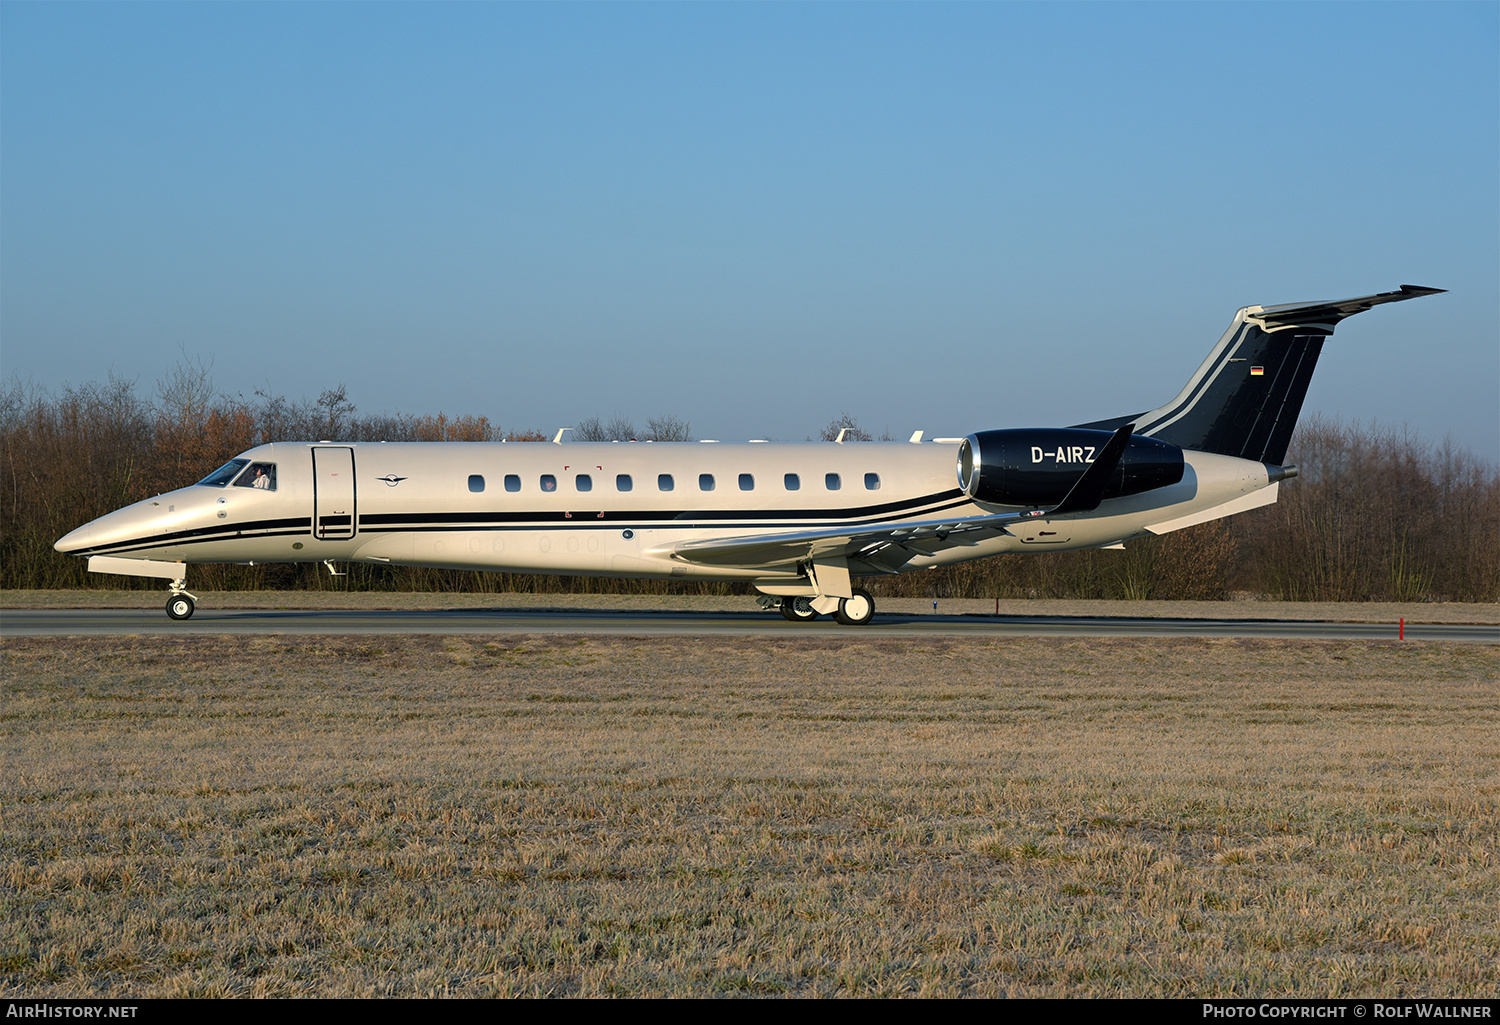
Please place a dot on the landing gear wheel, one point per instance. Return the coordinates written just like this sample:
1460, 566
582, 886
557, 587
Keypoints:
798, 610
180, 606
856, 611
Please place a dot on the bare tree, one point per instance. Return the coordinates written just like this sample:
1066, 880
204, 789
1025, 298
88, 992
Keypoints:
272, 415
335, 414
590, 429
850, 426
667, 427
187, 390
619, 428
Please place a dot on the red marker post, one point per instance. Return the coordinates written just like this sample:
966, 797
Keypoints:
1401, 630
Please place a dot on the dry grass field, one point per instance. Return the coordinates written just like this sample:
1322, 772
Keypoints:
565, 816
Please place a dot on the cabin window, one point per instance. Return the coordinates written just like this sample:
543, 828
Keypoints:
476, 482
832, 482
549, 482
705, 482
585, 482
793, 482
664, 482
872, 482
747, 482
623, 482
224, 474
512, 482
259, 475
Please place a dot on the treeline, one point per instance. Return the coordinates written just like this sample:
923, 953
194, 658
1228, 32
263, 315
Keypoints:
1376, 515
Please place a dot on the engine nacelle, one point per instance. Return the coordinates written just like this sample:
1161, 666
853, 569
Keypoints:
1037, 467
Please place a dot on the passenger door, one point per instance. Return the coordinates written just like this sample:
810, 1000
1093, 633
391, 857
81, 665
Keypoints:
333, 494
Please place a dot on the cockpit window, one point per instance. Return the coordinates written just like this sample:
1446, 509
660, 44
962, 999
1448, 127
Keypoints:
224, 474
260, 475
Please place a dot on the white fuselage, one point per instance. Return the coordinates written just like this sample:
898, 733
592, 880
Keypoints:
605, 510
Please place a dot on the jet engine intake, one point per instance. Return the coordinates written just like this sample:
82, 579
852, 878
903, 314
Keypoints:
1037, 467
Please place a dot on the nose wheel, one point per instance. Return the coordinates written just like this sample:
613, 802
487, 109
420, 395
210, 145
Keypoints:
180, 604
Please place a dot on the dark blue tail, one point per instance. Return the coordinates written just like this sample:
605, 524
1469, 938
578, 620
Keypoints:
1245, 398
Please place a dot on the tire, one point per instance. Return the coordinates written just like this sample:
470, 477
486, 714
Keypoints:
856, 611
798, 610
180, 606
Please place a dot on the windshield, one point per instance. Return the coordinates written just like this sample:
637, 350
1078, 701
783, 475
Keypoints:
224, 474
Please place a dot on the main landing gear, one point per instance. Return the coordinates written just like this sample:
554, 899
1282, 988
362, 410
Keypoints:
854, 611
798, 610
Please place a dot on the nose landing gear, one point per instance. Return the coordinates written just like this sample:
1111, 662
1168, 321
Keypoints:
180, 604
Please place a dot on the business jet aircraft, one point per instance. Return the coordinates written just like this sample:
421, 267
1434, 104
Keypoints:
800, 522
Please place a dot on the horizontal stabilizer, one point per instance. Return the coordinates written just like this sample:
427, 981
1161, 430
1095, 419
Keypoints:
1330, 313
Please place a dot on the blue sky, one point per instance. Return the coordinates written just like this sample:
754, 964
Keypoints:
751, 216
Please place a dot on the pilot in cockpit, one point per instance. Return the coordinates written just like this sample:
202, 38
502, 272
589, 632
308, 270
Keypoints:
259, 475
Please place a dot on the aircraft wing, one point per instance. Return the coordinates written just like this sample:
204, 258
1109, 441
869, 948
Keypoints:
923, 537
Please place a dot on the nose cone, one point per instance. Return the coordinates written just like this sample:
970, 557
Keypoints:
133, 523
76, 541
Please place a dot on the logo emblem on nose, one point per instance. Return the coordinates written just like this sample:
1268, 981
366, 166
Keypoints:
391, 480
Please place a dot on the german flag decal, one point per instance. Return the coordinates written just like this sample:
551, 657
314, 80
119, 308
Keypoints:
1257, 371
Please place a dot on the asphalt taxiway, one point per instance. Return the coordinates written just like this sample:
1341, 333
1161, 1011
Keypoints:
106, 622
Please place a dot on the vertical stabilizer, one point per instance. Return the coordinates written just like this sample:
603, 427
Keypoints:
1245, 398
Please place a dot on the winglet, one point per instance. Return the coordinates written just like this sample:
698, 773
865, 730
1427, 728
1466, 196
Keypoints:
1089, 491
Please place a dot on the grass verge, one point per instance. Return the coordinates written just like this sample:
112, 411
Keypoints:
280, 816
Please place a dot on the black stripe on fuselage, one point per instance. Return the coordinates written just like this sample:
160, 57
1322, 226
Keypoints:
593, 521
681, 517
219, 532
426, 523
